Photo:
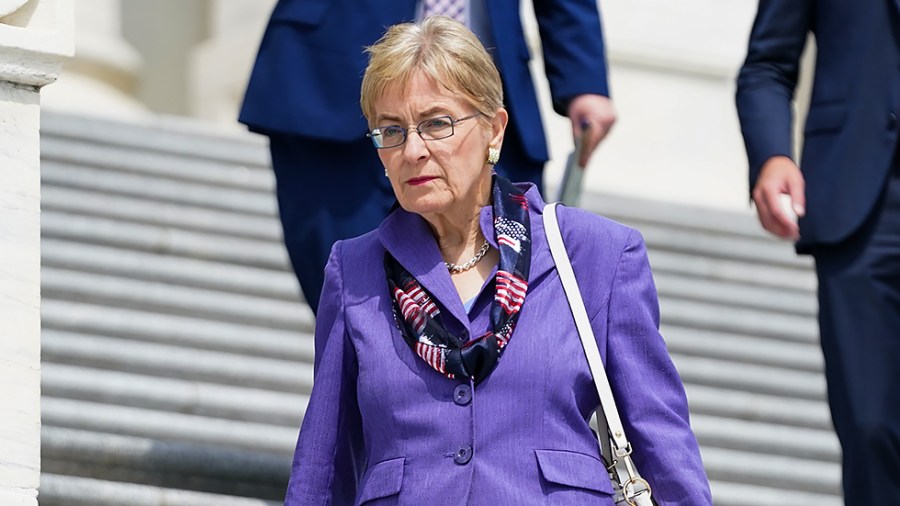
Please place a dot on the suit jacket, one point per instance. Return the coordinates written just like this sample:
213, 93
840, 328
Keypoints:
382, 427
851, 129
307, 76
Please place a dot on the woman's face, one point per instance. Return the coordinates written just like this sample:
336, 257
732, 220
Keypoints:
436, 176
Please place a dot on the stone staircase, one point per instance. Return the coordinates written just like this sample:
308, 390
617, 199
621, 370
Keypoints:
177, 353
739, 316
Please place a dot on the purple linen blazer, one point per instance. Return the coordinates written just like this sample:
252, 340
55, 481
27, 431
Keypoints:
384, 428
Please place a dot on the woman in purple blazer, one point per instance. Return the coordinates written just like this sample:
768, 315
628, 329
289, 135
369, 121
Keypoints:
448, 368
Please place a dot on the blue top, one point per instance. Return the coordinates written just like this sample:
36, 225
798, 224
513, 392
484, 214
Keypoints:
469, 303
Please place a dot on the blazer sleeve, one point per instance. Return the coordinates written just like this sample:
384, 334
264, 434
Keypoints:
648, 391
768, 77
329, 457
574, 53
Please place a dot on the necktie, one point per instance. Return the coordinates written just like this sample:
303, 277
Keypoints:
455, 9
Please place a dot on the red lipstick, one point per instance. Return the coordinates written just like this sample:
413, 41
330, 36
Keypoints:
416, 181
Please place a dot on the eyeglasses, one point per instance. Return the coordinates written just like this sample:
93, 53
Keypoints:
391, 136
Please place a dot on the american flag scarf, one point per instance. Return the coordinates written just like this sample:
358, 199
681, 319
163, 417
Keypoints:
418, 317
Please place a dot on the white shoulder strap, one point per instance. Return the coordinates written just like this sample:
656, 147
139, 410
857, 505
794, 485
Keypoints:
583, 324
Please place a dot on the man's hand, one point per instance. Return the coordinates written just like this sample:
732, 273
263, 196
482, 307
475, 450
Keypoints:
778, 177
596, 111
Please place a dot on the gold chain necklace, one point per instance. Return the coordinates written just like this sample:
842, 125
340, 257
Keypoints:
463, 267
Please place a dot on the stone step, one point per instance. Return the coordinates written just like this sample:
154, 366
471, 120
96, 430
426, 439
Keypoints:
165, 240
675, 285
165, 464
772, 471
204, 400
157, 424
766, 438
150, 266
736, 494
212, 400
60, 490
179, 240
170, 134
146, 280
804, 484
703, 266
172, 361
743, 348
756, 250
752, 378
738, 320
175, 330
168, 426
64, 448
190, 301
751, 406
166, 214
60, 174
624, 208
159, 164
778, 300
695, 221
131, 294
172, 299
140, 185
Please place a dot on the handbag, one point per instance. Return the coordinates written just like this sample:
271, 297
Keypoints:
630, 489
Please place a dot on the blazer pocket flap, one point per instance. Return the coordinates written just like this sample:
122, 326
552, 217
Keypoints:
382, 480
574, 470
825, 118
306, 12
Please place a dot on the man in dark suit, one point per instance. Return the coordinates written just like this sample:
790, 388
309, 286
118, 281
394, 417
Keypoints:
846, 193
304, 95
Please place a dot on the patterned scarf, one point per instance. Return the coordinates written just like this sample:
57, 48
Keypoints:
416, 314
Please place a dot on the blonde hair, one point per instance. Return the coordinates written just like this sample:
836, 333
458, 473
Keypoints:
441, 48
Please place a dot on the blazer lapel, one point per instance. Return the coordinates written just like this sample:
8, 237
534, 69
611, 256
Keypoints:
541, 261
407, 237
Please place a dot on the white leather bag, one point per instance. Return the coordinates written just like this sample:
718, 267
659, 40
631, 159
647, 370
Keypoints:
630, 488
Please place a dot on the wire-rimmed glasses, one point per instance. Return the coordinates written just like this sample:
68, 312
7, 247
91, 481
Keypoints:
432, 129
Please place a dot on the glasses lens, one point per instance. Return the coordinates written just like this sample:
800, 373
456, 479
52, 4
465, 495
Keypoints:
436, 128
392, 136
377, 139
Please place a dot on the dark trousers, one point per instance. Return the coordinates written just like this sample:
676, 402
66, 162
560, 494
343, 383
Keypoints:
859, 319
328, 191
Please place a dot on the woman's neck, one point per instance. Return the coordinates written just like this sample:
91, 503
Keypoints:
458, 237
459, 242
458, 230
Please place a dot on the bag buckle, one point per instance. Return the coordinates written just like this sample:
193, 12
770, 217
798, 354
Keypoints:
624, 451
633, 487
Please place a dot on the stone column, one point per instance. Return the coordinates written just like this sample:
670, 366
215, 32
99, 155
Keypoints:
103, 77
35, 37
220, 66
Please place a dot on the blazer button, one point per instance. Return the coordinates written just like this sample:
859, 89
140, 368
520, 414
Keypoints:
463, 455
892, 121
462, 394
